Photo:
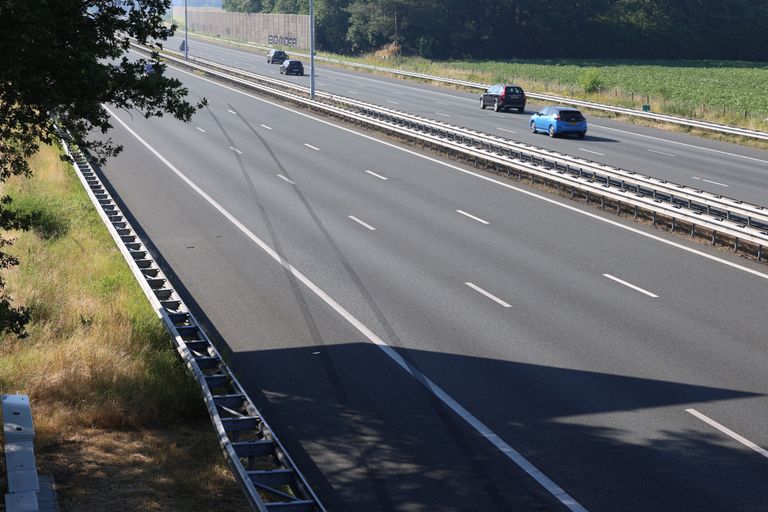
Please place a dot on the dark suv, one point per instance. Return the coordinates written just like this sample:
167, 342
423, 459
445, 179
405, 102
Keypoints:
503, 97
292, 67
276, 57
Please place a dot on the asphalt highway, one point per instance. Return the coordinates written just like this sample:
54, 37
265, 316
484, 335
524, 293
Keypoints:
626, 365
718, 167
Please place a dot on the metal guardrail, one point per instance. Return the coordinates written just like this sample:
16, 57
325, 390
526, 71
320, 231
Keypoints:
720, 216
265, 472
692, 123
27, 492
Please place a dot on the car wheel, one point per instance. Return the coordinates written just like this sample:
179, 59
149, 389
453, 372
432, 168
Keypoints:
552, 132
521, 110
482, 104
581, 135
496, 106
533, 127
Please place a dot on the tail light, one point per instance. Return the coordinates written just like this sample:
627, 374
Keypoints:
557, 117
503, 93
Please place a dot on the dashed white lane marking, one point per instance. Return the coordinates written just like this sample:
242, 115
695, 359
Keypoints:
590, 151
286, 179
506, 130
710, 181
630, 285
481, 428
236, 150
478, 219
397, 93
365, 225
231, 111
265, 126
441, 114
488, 294
441, 102
393, 102
730, 433
310, 146
352, 92
200, 129
660, 152
377, 175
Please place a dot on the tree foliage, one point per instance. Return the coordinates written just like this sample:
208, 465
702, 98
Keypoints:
685, 29
64, 59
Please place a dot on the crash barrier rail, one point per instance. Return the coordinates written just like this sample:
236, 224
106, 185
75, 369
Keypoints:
27, 492
682, 121
262, 467
743, 224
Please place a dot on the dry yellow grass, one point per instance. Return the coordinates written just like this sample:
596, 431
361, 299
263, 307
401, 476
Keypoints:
120, 424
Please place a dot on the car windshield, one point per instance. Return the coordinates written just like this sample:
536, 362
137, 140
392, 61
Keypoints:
571, 115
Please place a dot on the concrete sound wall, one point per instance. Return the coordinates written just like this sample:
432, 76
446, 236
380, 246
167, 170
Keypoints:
269, 29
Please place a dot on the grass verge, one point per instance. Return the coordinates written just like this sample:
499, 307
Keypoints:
726, 92
120, 424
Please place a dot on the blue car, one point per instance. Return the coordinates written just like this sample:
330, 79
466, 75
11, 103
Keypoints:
559, 120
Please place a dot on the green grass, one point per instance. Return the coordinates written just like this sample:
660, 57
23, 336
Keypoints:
728, 92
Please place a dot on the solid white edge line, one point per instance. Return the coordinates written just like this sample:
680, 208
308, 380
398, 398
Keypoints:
630, 285
501, 445
286, 179
364, 224
478, 219
310, 146
377, 175
442, 114
265, 126
509, 186
488, 294
725, 430
659, 152
694, 146
200, 129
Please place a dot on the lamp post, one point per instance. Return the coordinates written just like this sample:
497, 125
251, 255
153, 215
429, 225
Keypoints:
186, 33
312, 49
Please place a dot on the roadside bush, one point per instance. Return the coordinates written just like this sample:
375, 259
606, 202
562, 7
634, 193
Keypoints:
591, 81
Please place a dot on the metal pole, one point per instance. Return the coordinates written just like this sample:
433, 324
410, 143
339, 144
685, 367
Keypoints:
312, 49
186, 32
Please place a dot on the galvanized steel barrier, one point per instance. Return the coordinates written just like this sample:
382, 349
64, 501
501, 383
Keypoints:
266, 473
691, 123
743, 224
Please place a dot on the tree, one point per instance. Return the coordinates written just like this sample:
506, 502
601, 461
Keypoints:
64, 59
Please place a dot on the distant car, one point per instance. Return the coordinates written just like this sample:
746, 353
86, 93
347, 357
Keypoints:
292, 67
276, 57
559, 120
150, 68
503, 97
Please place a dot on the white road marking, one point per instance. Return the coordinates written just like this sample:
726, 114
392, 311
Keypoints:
397, 93
236, 150
265, 126
315, 353
682, 144
200, 129
368, 226
481, 428
310, 146
231, 111
489, 295
630, 285
478, 219
725, 430
442, 103
506, 130
590, 151
441, 114
716, 183
322, 84
393, 102
377, 175
488, 179
286, 179
659, 152
352, 92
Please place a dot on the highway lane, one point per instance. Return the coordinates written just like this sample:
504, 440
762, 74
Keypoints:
574, 374
719, 167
